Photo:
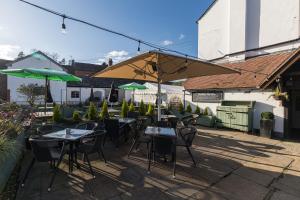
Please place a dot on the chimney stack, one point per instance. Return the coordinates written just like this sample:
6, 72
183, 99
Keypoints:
110, 62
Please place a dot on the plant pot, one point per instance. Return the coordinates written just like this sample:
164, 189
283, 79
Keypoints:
266, 127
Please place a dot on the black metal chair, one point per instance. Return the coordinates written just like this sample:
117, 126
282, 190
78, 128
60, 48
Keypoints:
115, 131
139, 137
187, 135
45, 150
87, 126
163, 146
95, 146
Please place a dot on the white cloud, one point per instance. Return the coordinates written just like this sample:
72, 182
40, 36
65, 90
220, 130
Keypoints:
1, 28
116, 56
8, 51
167, 42
181, 36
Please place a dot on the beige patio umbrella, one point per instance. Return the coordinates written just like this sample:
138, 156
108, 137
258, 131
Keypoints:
161, 67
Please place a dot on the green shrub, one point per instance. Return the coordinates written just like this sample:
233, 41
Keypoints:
189, 108
8, 148
181, 108
150, 111
56, 114
92, 112
142, 108
197, 111
206, 111
124, 109
131, 107
76, 116
104, 111
267, 115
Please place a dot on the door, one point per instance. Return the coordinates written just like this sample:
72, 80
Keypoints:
296, 109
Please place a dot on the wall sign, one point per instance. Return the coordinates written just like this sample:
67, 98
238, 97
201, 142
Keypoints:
207, 96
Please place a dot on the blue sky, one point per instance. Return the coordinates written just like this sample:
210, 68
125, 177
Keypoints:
164, 22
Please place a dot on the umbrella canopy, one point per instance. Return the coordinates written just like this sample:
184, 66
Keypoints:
37, 73
160, 67
133, 86
156, 66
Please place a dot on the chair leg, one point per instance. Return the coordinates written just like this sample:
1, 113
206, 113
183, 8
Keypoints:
174, 164
131, 148
102, 154
90, 166
149, 158
189, 151
54, 173
27, 172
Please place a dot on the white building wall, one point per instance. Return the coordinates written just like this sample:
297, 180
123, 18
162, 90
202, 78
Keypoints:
84, 93
39, 61
232, 26
264, 102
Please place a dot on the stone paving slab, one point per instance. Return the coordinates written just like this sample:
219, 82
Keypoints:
230, 165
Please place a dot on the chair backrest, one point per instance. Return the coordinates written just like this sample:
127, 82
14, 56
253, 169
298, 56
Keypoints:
112, 126
87, 126
173, 122
188, 134
41, 148
97, 139
163, 124
163, 145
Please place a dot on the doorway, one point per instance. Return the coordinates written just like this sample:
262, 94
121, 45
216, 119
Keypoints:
295, 113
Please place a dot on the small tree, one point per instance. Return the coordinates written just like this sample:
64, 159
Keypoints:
206, 111
56, 114
76, 116
32, 92
124, 109
197, 111
92, 112
104, 111
181, 108
189, 108
142, 108
150, 111
131, 107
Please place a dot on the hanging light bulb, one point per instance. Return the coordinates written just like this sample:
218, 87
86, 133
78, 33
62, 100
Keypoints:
63, 26
139, 47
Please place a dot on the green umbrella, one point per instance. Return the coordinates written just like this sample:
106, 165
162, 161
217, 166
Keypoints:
46, 74
133, 86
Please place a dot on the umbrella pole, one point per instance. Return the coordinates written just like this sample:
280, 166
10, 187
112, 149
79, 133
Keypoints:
133, 97
158, 100
46, 91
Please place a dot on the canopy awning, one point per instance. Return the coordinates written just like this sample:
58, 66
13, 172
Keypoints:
159, 66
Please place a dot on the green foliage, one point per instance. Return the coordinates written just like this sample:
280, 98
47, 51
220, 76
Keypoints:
267, 115
76, 116
104, 111
8, 148
124, 109
150, 111
56, 114
131, 107
206, 111
277, 92
142, 108
92, 112
181, 108
197, 111
189, 108
32, 92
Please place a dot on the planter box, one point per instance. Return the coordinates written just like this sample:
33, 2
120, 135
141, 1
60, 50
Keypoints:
266, 128
7, 167
206, 120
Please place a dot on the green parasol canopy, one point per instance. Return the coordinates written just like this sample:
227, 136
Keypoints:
133, 86
45, 73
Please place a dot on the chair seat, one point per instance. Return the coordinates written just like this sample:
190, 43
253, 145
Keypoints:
55, 153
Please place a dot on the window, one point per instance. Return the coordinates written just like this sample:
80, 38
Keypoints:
208, 96
74, 94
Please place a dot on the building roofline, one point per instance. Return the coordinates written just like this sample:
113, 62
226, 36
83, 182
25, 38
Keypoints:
37, 52
206, 11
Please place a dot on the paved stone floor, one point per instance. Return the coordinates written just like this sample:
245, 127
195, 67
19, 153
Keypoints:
230, 165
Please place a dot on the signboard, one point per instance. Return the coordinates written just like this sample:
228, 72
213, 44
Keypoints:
207, 96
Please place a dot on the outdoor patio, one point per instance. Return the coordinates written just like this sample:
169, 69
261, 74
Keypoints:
230, 165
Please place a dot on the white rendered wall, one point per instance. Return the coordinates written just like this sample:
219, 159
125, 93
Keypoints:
264, 102
84, 93
34, 62
231, 26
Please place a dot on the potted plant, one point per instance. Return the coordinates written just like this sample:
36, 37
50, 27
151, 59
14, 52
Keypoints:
56, 114
266, 124
76, 116
142, 108
197, 111
189, 109
92, 112
181, 108
278, 95
124, 109
150, 111
104, 111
